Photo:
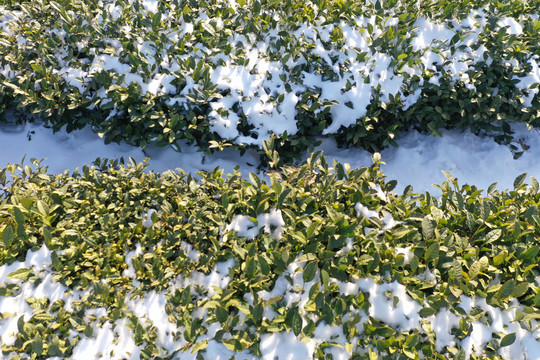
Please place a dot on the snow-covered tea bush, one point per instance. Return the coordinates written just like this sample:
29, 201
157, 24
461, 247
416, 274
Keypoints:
222, 73
325, 259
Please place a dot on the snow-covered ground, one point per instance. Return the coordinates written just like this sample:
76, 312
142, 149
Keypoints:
418, 160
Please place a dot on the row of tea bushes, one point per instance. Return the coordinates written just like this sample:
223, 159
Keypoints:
316, 250
232, 73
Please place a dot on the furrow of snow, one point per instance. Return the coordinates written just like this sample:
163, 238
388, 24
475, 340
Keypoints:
417, 161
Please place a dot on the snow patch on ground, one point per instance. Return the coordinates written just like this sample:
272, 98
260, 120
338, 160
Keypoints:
272, 223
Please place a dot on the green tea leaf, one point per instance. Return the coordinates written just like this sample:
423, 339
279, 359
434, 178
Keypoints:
401, 56
221, 314
263, 264
16, 89
47, 235
296, 322
428, 228
520, 289
401, 232
415, 261
519, 180
21, 274
449, 176
56, 263
534, 186
37, 345
43, 317
484, 263
325, 278
19, 216
499, 258
531, 252
255, 180
456, 270
257, 312
250, 267
426, 312
27, 203
471, 223
508, 339
475, 269
156, 20
492, 187
69, 233
8, 236
256, 7
309, 328
185, 298
493, 235
43, 208
38, 68
310, 270
506, 290
537, 300
209, 28
54, 347
432, 252
365, 259
198, 346
412, 341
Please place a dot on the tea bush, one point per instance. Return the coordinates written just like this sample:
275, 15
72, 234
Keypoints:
118, 234
220, 73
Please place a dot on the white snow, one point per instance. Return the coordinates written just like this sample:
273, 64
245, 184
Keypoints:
285, 346
147, 218
513, 27
387, 219
108, 341
272, 223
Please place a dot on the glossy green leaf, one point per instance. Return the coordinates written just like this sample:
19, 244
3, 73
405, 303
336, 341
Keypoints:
520, 289
199, 346
506, 290
8, 236
310, 270
508, 339
426, 312
519, 180
428, 228
432, 252
20, 274
296, 322
493, 235
221, 314
37, 345
456, 270
531, 252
